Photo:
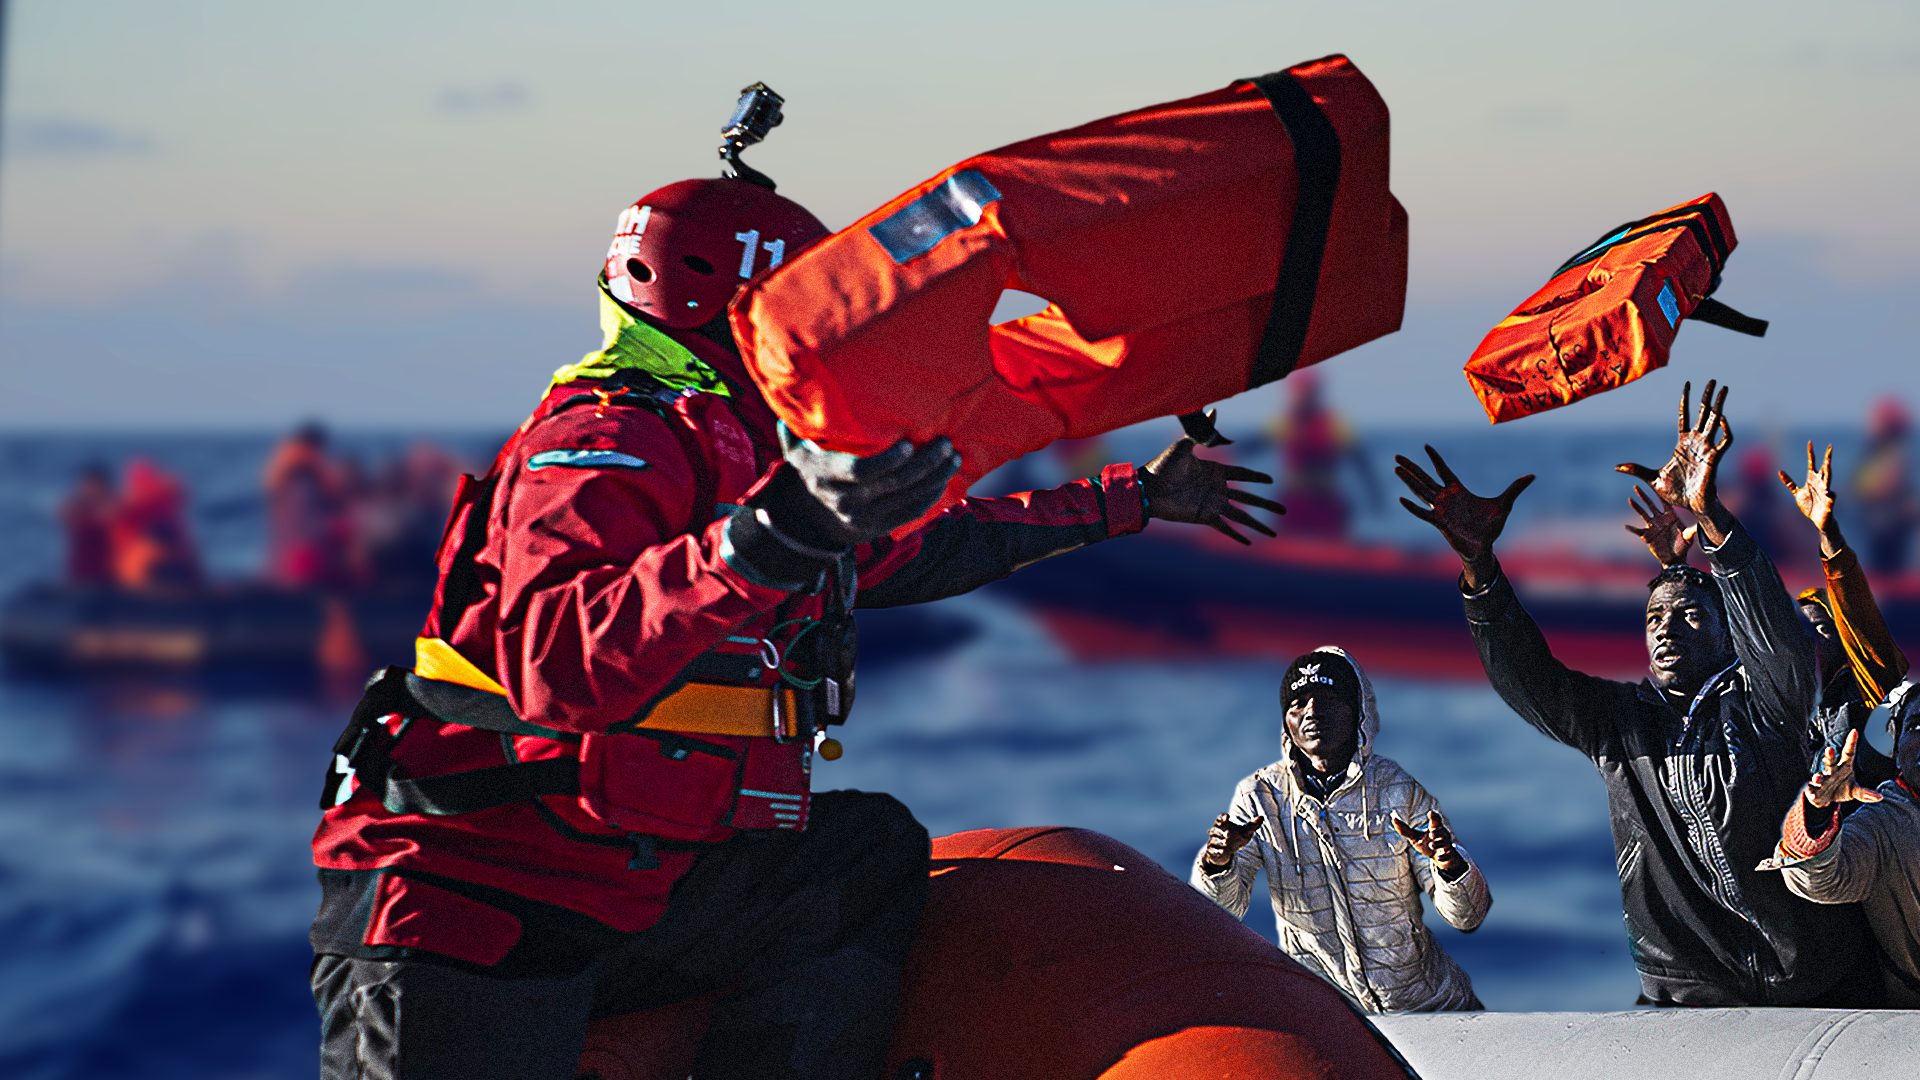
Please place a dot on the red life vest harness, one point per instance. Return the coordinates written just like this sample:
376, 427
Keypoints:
727, 746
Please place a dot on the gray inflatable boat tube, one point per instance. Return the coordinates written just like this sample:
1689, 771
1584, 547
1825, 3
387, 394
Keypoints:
1682, 1044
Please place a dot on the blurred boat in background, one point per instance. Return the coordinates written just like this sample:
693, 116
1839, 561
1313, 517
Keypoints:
1192, 593
257, 635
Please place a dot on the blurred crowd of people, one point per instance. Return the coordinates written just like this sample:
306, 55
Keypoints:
332, 523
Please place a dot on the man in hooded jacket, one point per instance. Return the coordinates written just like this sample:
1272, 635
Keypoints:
1349, 842
1699, 759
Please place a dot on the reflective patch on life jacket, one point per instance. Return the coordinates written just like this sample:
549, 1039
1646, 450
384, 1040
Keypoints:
1668, 305
918, 227
584, 459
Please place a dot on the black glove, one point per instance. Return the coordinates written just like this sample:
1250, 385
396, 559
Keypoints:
822, 502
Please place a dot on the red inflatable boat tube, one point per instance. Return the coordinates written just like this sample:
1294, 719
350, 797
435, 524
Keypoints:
1189, 251
1610, 314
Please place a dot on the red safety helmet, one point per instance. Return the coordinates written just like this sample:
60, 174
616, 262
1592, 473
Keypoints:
679, 254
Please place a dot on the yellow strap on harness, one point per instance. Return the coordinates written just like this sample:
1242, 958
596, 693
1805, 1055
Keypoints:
695, 709
435, 659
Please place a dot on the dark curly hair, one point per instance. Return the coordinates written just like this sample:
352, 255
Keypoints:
1687, 575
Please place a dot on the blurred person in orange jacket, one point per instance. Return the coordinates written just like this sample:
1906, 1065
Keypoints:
307, 519
151, 543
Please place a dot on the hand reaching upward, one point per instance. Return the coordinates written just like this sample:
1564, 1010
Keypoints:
1688, 478
1833, 781
1470, 523
1815, 500
1660, 528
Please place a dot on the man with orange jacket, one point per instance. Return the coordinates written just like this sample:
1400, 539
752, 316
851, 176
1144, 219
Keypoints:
591, 793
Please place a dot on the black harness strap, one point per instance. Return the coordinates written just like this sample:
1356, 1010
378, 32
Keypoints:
1316, 162
471, 707
478, 789
367, 748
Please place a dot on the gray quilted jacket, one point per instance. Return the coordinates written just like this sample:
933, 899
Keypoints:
1346, 887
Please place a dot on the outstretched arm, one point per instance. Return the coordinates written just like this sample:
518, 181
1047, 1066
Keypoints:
1877, 662
1556, 700
1824, 859
984, 540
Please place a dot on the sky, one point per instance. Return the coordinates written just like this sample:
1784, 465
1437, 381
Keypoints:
235, 215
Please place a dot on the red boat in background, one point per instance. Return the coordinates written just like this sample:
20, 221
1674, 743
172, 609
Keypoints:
1173, 593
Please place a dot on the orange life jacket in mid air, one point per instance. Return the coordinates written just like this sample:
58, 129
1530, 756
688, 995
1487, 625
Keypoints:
1188, 251
1610, 313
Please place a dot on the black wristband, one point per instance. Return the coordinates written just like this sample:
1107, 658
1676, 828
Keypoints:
763, 556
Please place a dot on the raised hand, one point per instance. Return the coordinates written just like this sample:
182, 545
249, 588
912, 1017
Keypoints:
1470, 523
1687, 479
1815, 500
1660, 528
1833, 781
1183, 486
1435, 842
1225, 838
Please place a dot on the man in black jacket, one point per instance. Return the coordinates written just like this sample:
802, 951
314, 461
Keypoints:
1699, 759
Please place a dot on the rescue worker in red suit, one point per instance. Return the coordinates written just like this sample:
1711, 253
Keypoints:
591, 794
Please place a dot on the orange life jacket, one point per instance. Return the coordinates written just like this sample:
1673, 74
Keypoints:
1189, 251
1610, 313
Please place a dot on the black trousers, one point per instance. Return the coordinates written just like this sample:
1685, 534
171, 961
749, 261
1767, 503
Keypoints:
807, 932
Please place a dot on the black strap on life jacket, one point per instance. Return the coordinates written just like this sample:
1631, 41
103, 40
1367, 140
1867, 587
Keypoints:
365, 749
1715, 313
1316, 164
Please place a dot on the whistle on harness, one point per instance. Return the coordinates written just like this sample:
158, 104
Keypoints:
756, 113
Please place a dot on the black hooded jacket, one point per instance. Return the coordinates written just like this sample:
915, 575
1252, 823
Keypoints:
1695, 797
